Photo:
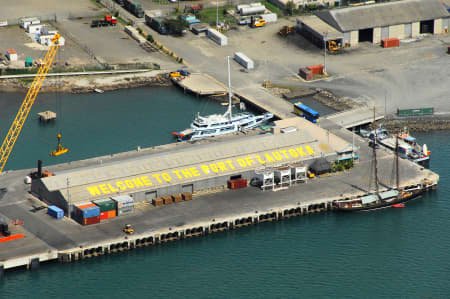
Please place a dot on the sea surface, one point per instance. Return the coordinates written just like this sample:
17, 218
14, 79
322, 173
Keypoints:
389, 253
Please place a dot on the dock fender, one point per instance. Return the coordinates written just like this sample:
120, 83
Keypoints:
34, 263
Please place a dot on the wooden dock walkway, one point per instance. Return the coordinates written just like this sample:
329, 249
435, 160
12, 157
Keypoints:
200, 84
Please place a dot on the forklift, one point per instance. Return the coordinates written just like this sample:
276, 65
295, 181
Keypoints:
128, 229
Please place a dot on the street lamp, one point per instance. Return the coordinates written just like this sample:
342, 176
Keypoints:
325, 52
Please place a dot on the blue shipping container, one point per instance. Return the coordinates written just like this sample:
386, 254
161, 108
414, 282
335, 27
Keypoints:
56, 212
90, 212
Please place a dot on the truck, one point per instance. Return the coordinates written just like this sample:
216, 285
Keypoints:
134, 7
158, 25
108, 20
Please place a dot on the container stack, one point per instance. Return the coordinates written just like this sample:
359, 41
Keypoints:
124, 203
390, 42
56, 212
237, 183
87, 214
107, 208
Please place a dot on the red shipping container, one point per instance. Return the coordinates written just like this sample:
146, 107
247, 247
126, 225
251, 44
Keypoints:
91, 220
103, 215
316, 69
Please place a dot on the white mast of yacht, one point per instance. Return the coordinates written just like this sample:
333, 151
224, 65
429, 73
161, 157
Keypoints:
228, 113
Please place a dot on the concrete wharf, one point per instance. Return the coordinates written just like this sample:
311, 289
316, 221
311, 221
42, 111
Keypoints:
49, 239
200, 84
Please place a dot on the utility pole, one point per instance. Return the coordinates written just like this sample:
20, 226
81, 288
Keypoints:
325, 52
68, 200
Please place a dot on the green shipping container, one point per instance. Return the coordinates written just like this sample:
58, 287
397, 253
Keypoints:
29, 61
415, 112
105, 204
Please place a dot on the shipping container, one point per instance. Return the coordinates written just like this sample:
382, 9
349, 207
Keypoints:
134, 7
91, 220
157, 202
177, 197
125, 210
111, 214
243, 60
237, 183
270, 17
390, 42
415, 112
87, 210
56, 212
105, 204
123, 201
186, 195
217, 37
316, 69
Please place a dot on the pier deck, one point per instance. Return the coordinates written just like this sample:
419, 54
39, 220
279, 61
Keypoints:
201, 84
48, 238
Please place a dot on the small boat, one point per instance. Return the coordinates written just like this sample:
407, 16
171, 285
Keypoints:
98, 90
408, 148
399, 205
221, 124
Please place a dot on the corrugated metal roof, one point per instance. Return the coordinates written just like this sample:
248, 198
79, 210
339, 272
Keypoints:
383, 14
320, 27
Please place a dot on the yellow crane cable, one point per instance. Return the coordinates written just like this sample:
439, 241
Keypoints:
24, 110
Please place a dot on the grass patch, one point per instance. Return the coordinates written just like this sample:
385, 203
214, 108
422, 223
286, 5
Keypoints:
97, 3
273, 8
122, 21
208, 15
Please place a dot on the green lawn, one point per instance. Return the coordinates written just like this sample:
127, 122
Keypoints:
273, 8
208, 15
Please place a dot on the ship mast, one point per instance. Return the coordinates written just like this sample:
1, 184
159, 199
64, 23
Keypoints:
228, 113
396, 163
375, 155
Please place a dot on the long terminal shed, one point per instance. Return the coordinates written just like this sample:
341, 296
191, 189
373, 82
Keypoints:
65, 240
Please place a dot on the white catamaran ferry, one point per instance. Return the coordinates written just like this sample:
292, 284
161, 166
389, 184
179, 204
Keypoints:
220, 124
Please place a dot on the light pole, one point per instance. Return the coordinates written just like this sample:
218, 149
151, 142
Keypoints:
325, 52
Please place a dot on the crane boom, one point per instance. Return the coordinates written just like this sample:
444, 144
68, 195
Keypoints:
24, 110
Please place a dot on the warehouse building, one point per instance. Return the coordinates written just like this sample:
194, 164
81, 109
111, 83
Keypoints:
191, 168
372, 23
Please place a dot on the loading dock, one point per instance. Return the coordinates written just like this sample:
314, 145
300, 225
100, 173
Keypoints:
366, 35
427, 27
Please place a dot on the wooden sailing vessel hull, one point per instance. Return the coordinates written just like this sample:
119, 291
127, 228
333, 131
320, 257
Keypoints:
401, 198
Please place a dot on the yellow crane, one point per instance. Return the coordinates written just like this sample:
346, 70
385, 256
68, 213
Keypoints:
24, 110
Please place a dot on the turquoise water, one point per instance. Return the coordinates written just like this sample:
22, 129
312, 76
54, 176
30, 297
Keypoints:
388, 253
99, 124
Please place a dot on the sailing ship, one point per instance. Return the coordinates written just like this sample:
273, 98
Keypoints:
221, 124
379, 199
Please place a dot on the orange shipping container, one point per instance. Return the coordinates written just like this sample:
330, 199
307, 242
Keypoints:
86, 206
390, 42
112, 213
